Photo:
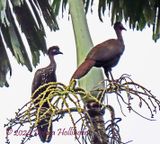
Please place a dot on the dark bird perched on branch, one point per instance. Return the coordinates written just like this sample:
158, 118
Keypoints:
105, 54
42, 76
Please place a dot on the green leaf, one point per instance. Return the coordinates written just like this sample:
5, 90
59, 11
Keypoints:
86, 5
156, 26
2, 3
34, 34
19, 50
6, 36
5, 66
17, 2
101, 8
37, 16
64, 4
56, 6
48, 14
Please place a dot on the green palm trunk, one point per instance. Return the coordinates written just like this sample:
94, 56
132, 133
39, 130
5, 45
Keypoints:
83, 43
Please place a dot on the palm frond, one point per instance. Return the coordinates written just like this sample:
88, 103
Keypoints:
139, 13
18, 48
48, 13
5, 66
34, 35
26, 17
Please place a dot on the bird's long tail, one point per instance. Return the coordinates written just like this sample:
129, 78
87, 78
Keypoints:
45, 130
83, 69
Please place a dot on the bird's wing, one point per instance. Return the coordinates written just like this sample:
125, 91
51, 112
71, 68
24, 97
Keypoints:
106, 50
44, 131
36, 80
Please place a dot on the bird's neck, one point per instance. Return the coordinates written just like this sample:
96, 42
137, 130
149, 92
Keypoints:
52, 61
119, 36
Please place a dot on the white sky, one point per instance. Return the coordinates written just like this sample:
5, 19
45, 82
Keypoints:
141, 60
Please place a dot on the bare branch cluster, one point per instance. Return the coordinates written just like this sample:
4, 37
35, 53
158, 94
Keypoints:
64, 99
61, 99
130, 93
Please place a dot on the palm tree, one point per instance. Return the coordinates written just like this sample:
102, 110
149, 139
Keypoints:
21, 16
24, 16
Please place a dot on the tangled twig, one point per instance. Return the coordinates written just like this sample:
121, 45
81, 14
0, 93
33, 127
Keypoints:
61, 100
64, 99
126, 90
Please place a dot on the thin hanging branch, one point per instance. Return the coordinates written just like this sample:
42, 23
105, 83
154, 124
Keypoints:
62, 96
64, 99
126, 91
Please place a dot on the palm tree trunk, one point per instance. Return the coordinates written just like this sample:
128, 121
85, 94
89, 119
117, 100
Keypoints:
83, 45
96, 126
83, 42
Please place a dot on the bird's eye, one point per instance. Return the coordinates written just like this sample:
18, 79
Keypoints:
54, 50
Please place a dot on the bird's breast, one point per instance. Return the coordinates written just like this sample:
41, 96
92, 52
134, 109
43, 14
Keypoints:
49, 75
108, 63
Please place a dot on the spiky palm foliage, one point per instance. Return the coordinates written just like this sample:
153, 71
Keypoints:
137, 13
26, 15
17, 17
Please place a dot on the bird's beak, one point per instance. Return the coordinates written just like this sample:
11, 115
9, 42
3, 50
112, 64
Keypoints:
59, 52
123, 28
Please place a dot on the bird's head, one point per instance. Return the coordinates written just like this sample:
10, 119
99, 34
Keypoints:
119, 26
54, 50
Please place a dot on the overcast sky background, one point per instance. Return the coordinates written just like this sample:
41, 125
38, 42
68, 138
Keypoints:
141, 60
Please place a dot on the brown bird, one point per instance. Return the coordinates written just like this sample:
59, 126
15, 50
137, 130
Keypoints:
42, 76
105, 54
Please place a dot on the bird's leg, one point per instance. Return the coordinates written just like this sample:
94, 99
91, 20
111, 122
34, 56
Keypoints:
109, 76
113, 82
110, 73
106, 73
